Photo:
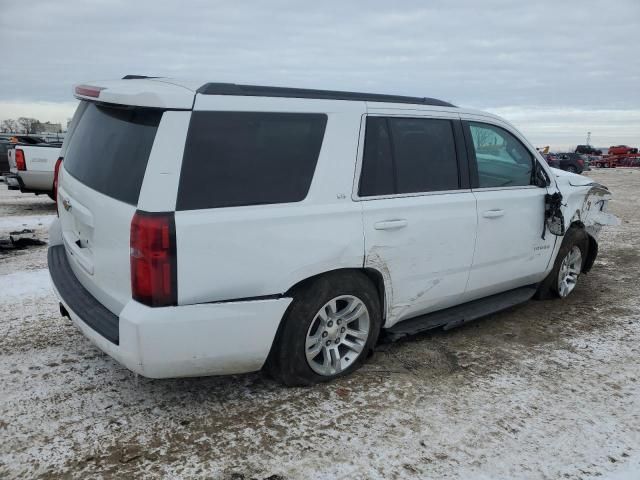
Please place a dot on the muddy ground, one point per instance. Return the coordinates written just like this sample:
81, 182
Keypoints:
547, 390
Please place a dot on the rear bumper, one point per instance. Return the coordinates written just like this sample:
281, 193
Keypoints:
30, 182
190, 340
35, 181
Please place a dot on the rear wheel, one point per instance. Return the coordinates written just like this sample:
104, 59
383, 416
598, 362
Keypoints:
572, 169
567, 268
328, 330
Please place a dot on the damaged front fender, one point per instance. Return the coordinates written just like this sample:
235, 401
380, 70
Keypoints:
593, 213
586, 203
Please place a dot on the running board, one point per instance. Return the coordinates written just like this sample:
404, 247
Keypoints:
455, 316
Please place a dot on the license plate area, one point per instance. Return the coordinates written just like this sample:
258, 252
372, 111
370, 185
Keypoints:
77, 231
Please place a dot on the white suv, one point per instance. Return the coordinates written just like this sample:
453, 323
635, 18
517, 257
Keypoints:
222, 228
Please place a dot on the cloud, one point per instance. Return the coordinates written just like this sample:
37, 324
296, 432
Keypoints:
492, 54
553, 126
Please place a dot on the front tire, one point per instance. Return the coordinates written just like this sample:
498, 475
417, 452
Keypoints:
328, 331
567, 267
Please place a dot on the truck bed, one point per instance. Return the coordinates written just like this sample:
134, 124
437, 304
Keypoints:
40, 161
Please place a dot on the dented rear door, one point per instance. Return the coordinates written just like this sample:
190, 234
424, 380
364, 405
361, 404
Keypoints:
419, 219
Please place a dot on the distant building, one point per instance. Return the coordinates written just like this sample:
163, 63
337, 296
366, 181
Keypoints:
47, 127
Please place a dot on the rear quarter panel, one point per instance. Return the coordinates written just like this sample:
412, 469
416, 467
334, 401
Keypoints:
249, 251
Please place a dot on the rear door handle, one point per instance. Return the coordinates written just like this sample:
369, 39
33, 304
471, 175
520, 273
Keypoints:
390, 224
493, 213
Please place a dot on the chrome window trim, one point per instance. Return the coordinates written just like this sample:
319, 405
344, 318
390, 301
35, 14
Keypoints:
412, 194
515, 187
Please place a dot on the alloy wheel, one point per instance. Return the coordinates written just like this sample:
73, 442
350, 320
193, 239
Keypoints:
337, 335
569, 271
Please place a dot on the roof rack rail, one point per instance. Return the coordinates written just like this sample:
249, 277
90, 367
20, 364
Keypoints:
136, 77
266, 91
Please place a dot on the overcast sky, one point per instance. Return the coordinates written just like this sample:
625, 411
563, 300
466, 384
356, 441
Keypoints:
557, 69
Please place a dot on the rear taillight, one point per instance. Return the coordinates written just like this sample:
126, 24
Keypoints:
21, 164
581, 162
153, 259
56, 176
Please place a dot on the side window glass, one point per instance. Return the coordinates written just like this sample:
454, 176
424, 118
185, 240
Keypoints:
249, 158
501, 158
377, 176
425, 155
408, 155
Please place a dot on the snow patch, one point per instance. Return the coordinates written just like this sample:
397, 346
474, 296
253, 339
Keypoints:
630, 471
25, 284
27, 221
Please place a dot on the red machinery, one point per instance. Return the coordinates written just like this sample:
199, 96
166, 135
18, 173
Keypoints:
620, 160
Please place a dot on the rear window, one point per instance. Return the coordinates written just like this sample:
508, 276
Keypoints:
110, 147
249, 158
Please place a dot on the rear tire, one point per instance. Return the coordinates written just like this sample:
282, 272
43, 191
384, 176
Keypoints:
328, 330
574, 243
572, 169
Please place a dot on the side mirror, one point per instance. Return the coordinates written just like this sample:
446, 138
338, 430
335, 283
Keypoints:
540, 178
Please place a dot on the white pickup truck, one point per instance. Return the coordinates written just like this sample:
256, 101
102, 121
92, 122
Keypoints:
32, 167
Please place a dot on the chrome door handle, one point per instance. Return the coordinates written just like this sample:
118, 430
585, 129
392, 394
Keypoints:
390, 224
493, 213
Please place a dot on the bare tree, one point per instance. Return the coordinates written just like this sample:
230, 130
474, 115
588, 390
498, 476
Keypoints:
9, 125
27, 124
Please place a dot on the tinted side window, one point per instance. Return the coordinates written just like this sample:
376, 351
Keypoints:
408, 155
109, 149
249, 158
501, 158
425, 155
377, 176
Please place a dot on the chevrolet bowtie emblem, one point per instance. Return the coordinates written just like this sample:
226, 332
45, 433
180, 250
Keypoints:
66, 204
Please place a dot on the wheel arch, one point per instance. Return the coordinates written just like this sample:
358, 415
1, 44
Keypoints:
374, 276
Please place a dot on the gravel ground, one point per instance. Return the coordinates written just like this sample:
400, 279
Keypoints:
547, 390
